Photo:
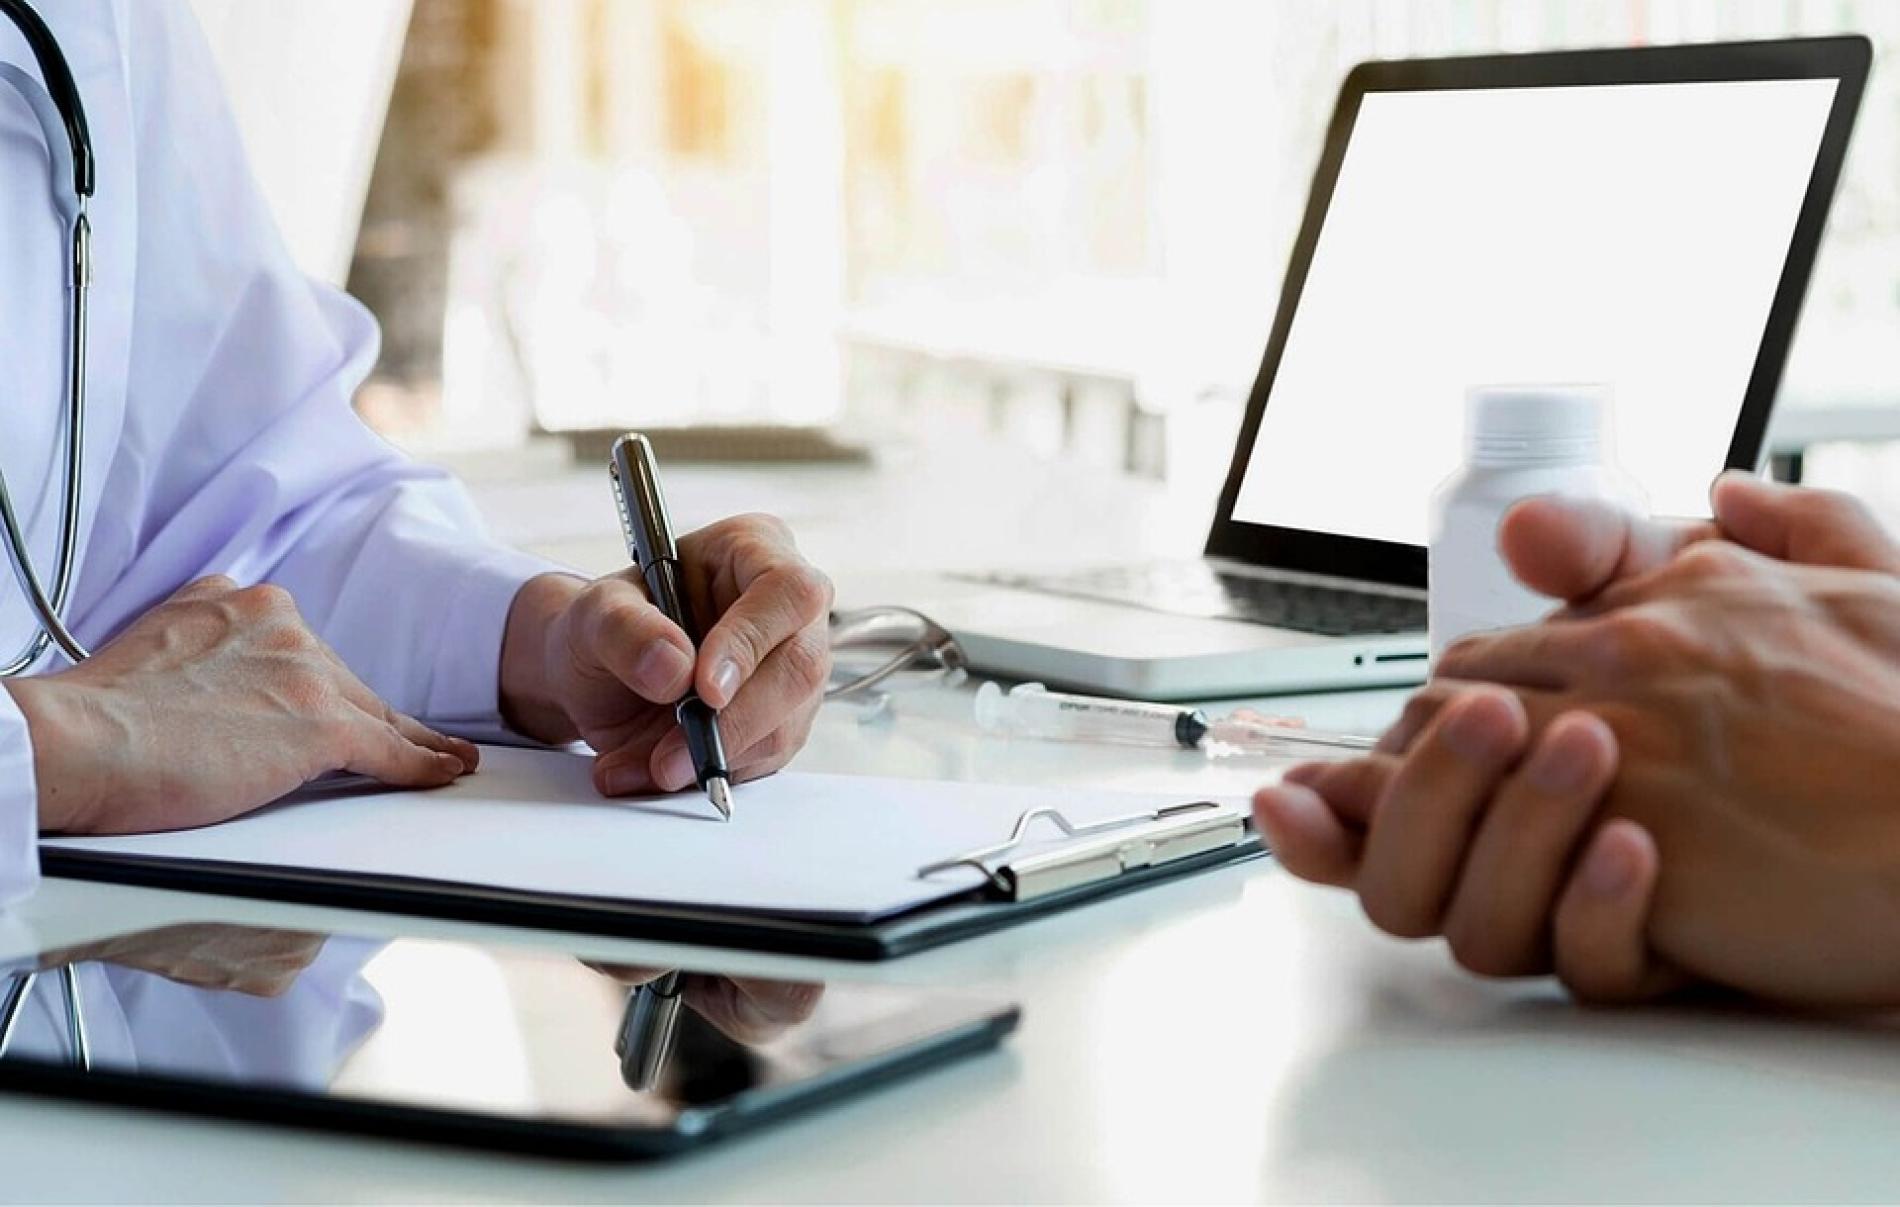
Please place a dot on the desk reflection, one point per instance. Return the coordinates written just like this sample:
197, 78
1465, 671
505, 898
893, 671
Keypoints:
443, 1023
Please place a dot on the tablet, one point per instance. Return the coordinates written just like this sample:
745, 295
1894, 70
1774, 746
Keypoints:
530, 1049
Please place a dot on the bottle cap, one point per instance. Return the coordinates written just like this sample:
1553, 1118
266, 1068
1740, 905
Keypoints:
992, 708
996, 710
1536, 424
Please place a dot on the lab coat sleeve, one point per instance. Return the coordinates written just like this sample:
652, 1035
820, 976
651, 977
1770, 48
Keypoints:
296, 1040
138, 1021
19, 806
243, 371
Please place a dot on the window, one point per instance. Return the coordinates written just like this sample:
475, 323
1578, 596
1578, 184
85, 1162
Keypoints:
1064, 220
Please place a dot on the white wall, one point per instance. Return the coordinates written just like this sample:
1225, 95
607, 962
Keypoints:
310, 81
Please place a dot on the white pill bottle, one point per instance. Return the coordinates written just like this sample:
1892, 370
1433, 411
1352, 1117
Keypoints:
1520, 441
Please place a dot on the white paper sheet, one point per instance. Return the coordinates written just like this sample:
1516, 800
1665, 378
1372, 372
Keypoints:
835, 846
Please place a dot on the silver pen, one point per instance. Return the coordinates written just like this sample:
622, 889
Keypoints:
647, 1027
649, 533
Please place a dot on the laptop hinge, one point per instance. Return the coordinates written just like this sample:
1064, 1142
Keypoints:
1227, 565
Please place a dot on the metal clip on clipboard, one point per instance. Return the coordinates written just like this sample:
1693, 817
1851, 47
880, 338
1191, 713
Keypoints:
1106, 850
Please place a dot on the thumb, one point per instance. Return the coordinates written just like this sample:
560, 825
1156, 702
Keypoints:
1572, 548
1798, 524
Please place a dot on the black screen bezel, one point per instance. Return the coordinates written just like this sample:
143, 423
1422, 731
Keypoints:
947, 1025
1845, 59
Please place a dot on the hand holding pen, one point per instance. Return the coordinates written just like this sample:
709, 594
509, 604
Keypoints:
761, 664
747, 1010
600, 662
649, 531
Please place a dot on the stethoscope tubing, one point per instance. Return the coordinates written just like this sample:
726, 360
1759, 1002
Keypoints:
50, 611
20, 988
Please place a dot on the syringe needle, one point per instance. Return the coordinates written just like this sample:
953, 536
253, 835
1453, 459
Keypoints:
1267, 739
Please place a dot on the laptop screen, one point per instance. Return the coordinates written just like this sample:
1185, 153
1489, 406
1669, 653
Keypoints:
1628, 234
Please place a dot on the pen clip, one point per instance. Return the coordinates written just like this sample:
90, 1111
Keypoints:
643, 516
620, 502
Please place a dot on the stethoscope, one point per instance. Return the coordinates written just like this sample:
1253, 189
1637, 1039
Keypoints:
13, 1005
62, 121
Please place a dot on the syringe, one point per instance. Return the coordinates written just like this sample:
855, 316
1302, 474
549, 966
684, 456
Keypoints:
1033, 710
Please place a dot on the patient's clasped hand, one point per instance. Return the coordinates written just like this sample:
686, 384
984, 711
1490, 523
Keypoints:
1689, 772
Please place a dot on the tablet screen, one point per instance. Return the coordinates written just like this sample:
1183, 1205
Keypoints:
529, 1036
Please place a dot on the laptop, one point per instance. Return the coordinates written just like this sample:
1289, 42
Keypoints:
1644, 218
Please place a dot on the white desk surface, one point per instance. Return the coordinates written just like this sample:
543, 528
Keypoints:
1236, 1036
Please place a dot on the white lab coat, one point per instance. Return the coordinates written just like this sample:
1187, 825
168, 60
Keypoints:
220, 436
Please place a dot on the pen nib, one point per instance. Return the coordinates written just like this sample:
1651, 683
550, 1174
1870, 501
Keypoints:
719, 792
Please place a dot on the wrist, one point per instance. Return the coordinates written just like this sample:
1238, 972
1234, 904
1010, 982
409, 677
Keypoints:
65, 760
531, 702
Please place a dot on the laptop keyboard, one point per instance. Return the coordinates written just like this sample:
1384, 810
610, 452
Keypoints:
1198, 589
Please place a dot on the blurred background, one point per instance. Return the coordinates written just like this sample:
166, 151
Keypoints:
807, 228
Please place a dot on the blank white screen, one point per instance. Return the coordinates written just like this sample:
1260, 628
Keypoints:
1627, 234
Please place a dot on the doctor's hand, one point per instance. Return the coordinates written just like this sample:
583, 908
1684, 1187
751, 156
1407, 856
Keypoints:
598, 661
746, 1010
207, 955
215, 702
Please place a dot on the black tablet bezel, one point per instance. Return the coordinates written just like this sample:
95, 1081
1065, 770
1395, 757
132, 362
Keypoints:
546, 1136
947, 1026
1845, 59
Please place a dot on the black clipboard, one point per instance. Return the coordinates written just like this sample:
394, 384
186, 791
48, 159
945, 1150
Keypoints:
1102, 860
